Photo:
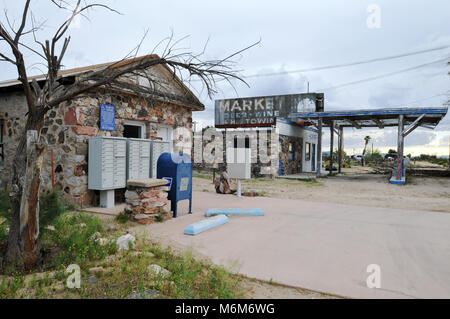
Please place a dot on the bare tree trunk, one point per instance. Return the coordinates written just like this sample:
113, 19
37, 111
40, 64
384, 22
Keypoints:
23, 245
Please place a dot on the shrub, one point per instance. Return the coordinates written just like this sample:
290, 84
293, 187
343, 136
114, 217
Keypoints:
75, 238
52, 205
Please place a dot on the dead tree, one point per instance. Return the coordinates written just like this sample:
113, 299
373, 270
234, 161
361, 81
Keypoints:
23, 243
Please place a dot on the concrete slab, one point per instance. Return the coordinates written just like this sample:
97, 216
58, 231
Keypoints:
148, 182
324, 247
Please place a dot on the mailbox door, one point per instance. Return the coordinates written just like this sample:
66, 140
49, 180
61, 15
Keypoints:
185, 181
120, 163
107, 164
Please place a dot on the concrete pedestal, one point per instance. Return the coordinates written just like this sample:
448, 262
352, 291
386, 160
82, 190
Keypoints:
107, 199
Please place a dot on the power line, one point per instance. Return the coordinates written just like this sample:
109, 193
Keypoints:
404, 104
347, 64
384, 75
421, 100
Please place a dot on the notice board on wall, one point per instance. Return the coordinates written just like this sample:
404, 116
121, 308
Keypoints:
107, 117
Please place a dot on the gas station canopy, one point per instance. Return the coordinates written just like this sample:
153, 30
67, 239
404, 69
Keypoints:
425, 117
406, 119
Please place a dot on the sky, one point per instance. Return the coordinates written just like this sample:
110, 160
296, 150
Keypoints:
293, 35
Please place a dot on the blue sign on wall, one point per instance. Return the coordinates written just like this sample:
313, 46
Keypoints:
107, 117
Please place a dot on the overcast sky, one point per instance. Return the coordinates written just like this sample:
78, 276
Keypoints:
294, 35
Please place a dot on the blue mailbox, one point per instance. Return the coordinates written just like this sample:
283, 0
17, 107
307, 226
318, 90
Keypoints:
178, 169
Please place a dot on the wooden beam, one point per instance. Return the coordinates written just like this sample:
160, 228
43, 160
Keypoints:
413, 126
379, 123
354, 124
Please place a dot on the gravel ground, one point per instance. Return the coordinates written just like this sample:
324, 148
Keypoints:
355, 188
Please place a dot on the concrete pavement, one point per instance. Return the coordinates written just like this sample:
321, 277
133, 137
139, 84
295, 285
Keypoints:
324, 247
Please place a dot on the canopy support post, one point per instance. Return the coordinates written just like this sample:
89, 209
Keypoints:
319, 148
341, 147
331, 146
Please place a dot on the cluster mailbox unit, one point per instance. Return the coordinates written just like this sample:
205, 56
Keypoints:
107, 167
138, 161
114, 160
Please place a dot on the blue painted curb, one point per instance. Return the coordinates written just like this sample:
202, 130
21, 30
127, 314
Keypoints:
235, 212
205, 224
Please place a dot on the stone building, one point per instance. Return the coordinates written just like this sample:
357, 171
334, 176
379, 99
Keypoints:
284, 149
292, 147
68, 127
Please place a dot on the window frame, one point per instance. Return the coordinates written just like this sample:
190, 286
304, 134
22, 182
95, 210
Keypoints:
307, 152
139, 124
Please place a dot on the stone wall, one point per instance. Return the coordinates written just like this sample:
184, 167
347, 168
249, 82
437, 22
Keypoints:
288, 166
12, 111
68, 128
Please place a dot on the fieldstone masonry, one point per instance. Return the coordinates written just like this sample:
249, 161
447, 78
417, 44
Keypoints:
68, 128
147, 201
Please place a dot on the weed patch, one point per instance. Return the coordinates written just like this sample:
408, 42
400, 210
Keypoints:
76, 239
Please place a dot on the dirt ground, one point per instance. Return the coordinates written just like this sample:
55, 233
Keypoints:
264, 290
356, 186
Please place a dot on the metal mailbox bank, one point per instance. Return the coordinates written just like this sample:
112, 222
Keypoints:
178, 169
107, 167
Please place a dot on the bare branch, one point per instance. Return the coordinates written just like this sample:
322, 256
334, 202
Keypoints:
22, 25
4, 58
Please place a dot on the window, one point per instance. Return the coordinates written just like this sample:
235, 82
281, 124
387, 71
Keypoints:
132, 129
2, 155
307, 151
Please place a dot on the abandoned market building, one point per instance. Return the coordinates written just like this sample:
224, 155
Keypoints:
278, 146
67, 128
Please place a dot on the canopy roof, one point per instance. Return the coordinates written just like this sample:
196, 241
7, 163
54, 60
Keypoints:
428, 117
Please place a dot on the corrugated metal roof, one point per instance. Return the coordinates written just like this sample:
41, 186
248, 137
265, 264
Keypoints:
374, 117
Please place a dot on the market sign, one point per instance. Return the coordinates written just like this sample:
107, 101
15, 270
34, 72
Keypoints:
107, 117
263, 111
